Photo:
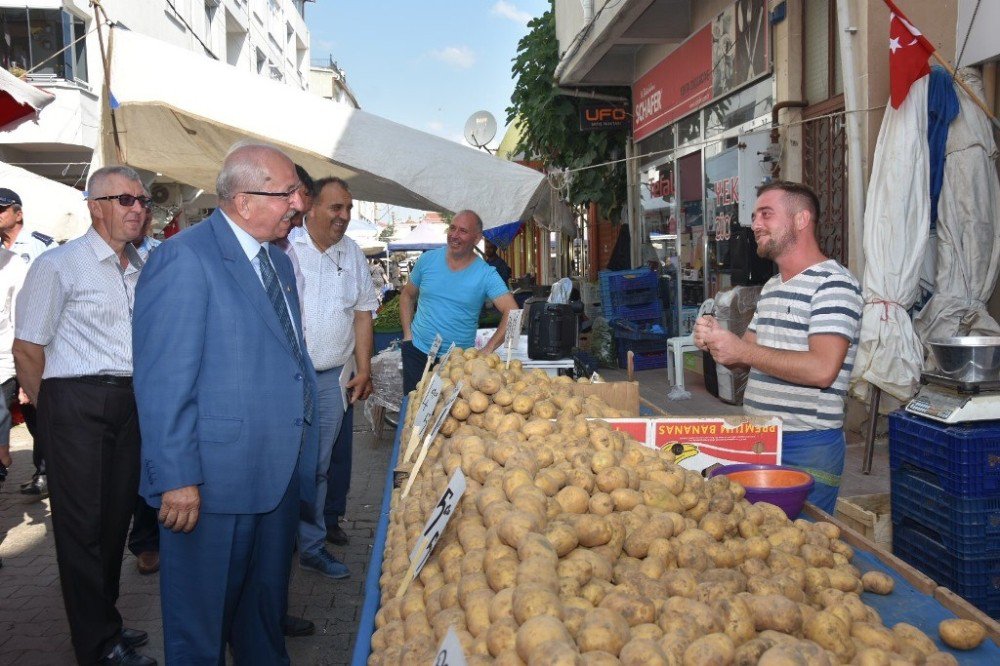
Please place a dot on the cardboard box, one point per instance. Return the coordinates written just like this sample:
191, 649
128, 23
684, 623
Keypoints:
623, 396
704, 442
869, 515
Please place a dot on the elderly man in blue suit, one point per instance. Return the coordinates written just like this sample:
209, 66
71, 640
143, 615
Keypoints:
226, 395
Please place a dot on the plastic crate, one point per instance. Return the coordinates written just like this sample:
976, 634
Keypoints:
584, 364
628, 289
653, 310
643, 360
963, 459
627, 330
975, 579
967, 526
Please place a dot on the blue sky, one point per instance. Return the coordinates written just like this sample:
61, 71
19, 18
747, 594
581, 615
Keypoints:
428, 65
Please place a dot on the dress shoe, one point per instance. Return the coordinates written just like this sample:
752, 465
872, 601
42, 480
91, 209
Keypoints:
337, 536
134, 637
295, 627
148, 562
124, 655
39, 485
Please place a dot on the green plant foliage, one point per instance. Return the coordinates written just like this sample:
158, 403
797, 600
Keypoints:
550, 127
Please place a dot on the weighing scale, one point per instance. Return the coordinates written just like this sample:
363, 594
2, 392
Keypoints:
954, 401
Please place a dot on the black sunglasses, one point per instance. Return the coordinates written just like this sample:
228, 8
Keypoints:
127, 200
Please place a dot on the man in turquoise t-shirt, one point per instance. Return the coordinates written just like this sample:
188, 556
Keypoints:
447, 289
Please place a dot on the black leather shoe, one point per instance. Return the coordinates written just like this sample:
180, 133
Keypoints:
39, 485
337, 536
124, 655
134, 637
296, 627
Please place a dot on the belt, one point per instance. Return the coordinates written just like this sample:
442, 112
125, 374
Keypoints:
107, 380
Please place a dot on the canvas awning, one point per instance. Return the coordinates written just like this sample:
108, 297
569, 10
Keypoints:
19, 100
51, 208
178, 112
425, 236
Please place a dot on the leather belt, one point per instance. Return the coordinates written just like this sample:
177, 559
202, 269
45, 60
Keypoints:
108, 380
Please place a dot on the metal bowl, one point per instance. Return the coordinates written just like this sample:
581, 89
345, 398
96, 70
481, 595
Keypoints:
968, 358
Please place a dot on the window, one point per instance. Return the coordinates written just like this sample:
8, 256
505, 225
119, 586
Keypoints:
32, 38
822, 77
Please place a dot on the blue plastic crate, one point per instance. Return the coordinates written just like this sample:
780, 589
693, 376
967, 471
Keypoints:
975, 579
967, 526
628, 289
653, 310
964, 459
628, 330
643, 360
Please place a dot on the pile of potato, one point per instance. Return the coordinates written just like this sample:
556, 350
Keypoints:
575, 545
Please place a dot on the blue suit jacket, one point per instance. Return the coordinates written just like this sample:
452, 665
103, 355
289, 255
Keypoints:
218, 387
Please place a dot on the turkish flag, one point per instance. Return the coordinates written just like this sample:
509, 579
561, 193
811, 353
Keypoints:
908, 54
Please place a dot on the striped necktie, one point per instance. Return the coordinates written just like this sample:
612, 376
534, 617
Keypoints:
273, 288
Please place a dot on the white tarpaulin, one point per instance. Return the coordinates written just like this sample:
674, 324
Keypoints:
178, 113
51, 208
365, 234
425, 236
968, 229
897, 219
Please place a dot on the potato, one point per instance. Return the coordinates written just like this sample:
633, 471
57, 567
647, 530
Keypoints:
502, 605
556, 653
593, 530
828, 631
536, 631
642, 651
961, 634
603, 630
515, 526
773, 611
737, 619
711, 650
635, 609
873, 636
531, 601
907, 634
501, 635
877, 582
573, 499
461, 410
477, 611
600, 504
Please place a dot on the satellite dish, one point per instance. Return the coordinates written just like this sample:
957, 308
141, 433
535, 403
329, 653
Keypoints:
480, 128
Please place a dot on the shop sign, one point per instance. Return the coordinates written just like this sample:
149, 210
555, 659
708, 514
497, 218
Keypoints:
723, 55
722, 183
603, 116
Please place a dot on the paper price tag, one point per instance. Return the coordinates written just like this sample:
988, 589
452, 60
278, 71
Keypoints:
513, 332
436, 524
435, 346
445, 412
450, 653
424, 412
444, 359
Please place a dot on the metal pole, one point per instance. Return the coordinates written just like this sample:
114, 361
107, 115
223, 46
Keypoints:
866, 463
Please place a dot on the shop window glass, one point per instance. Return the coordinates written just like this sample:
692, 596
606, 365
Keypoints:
689, 128
739, 108
821, 77
33, 37
655, 146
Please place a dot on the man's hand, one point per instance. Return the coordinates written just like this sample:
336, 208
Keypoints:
725, 347
22, 397
179, 508
5, 458
360, 387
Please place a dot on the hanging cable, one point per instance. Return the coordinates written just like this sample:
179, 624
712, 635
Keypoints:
60, 51
106, 60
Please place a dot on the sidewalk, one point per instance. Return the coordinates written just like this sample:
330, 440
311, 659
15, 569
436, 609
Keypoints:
33, 628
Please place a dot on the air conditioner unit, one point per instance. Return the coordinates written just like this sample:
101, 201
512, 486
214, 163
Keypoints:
165, 194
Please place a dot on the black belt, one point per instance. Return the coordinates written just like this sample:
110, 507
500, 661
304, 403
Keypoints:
107, 380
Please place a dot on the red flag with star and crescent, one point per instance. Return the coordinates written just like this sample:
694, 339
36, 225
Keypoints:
908, 54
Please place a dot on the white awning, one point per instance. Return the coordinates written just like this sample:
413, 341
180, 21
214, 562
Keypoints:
178, 113
51, 208
19, 100
425, 236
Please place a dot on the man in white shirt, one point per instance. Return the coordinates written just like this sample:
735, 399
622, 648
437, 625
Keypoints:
12, 272
337, 319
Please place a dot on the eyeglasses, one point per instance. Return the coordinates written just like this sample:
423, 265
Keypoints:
127, 200
287, 196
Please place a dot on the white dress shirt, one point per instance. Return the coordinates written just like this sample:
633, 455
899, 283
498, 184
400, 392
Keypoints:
337, 284
77, 303
12, 272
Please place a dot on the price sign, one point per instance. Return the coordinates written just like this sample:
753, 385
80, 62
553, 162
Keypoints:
435, 346
424, 412
513, 332
450, 653
444, 359
445, 412
435, 525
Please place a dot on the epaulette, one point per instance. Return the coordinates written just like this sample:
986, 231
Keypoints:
47, 240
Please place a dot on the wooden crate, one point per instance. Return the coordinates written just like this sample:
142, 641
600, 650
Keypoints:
869, 515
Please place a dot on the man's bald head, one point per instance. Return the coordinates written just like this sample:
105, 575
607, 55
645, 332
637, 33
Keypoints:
243, 168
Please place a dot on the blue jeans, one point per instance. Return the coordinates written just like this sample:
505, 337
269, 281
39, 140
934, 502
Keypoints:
330, 409
339, 476
821, 453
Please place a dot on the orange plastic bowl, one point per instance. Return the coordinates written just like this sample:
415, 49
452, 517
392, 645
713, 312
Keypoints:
782, 486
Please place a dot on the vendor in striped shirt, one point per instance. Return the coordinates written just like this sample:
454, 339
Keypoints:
801, 343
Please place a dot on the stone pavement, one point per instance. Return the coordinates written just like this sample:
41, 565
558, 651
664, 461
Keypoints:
33, 627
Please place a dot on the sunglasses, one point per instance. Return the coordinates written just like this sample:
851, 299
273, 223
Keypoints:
127, 200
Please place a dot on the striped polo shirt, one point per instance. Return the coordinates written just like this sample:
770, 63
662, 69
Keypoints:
823, 299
